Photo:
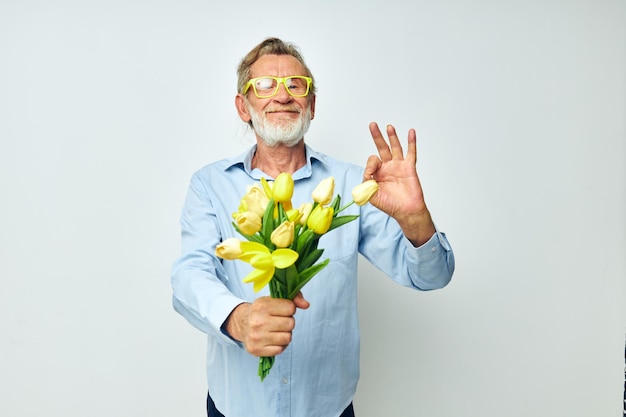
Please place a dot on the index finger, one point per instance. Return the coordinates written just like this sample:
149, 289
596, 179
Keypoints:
380, 142
282, 307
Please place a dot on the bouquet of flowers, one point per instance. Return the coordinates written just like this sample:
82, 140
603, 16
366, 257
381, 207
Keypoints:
281, 242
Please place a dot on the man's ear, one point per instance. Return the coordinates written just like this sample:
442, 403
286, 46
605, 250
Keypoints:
242, 109
313, 107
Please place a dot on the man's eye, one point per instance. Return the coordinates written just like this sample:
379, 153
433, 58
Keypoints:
265, 84
296, 84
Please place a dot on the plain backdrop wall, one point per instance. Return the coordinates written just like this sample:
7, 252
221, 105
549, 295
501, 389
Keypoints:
108, 107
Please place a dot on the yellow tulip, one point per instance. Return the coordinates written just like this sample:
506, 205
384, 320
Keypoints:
249, 222
323, 193
229, 249
264, 262
305, 209
256, 201
362, 193
282, 236
320, 219
293, 215
283, 188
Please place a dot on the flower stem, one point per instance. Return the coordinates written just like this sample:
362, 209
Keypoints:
344, 207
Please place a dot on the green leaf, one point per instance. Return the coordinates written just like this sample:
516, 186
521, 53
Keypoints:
282, 214
277, 289
336, 203
309, 259
303, 239
292, 278
280, 276
341, 220
306, 275
296, 234
268, 223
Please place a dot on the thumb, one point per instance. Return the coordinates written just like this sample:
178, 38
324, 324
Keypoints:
301, 302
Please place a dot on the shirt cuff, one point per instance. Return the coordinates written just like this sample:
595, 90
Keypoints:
219, 313
432, 249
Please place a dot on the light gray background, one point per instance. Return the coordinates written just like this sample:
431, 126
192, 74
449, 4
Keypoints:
108, 107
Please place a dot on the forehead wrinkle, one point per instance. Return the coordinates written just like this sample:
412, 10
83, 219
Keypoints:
276, 66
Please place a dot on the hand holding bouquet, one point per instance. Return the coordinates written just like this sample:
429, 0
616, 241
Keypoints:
282, 242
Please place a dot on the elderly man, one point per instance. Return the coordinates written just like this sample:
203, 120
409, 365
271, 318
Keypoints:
316, 365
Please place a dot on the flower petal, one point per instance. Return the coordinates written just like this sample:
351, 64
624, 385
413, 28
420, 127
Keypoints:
267, 188
320, 219
249, 222
284, 258
256, 200
260, 278
323, 193
362, 193
305, 209
251, 249
262, 261
283, 187
283, 235
229, 249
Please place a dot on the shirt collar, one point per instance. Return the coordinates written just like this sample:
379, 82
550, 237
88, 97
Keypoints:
244, 162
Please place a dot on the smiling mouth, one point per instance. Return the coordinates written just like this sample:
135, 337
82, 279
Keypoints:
285, 110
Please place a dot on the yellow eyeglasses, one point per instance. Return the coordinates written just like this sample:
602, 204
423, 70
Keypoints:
266, 87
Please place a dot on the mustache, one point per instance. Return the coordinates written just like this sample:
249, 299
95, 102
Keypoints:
293, 109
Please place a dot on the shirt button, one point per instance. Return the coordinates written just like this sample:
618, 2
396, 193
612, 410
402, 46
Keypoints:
433, 249
285, 380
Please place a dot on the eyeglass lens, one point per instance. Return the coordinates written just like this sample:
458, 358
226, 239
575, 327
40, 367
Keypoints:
266, 86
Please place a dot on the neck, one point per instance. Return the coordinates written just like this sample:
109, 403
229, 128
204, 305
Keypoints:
277, 159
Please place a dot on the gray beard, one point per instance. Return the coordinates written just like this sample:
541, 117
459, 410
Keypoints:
288, 134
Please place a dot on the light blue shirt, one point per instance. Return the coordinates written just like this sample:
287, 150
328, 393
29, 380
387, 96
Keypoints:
317, 374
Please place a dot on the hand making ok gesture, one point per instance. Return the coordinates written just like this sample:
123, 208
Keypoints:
400, 193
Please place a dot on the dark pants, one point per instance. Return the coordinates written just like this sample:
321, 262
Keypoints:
212, 411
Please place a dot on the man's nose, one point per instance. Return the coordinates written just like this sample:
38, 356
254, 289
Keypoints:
282, 95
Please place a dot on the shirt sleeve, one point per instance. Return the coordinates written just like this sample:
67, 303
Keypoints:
198, 276
427, 267
433, 262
